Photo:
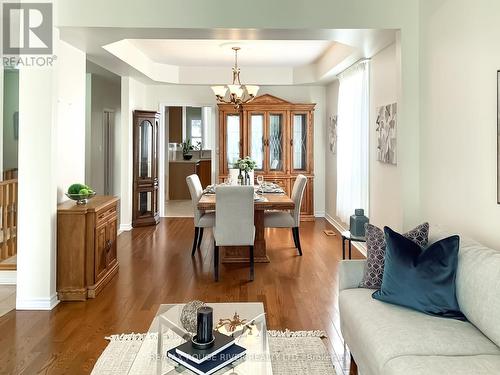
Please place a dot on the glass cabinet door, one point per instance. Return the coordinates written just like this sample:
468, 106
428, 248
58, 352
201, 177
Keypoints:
233, 137
145, 153
275, 139
145, 203
256, 139
299, 141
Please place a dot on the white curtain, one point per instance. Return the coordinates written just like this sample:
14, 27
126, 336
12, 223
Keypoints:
353, 141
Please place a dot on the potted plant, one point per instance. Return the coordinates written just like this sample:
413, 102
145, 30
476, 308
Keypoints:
187, 147
245, 165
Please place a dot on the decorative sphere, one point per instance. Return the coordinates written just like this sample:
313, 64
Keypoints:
189, 315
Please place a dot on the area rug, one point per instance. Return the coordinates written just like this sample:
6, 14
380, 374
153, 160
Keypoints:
292, 353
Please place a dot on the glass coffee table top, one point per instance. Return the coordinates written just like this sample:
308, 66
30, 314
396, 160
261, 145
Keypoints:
166, 332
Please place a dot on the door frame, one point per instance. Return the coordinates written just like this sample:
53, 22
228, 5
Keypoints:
163, 170
107, 149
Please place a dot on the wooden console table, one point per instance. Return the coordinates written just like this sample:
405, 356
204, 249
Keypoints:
86, 247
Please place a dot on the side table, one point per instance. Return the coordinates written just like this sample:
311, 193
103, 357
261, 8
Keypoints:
347, 236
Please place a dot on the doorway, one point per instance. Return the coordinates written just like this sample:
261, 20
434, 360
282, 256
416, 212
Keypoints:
189, 140
108, 128
102, 144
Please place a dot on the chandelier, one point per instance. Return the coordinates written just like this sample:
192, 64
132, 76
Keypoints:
238, 93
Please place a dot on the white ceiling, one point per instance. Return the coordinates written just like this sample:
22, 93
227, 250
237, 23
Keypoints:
269, 56
217, 52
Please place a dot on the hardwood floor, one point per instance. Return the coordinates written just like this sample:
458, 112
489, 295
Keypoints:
299, 293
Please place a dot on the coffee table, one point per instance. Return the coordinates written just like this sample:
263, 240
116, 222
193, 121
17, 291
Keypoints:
166, 332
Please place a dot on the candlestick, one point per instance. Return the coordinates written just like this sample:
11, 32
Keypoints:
204, 332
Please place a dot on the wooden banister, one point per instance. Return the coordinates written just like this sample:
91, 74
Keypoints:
10, 174
8, 222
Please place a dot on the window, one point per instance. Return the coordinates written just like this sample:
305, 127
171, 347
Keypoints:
232, 139
352, 146
196, 133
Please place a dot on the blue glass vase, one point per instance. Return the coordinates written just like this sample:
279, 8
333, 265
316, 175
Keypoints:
357, 224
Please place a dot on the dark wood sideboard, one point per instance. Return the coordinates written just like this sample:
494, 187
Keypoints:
86, 247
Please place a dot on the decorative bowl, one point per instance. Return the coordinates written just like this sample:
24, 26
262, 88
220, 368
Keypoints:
81, 198
187, 156
189, 314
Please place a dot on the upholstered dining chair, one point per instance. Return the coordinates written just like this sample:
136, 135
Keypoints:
281, 219
202, 219
234, 221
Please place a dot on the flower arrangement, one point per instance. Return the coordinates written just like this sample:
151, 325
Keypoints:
246, 164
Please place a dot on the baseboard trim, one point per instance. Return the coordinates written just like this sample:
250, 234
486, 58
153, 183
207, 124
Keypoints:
8, 277
319, 214
337, 224
124, 228
340, 228
37, 303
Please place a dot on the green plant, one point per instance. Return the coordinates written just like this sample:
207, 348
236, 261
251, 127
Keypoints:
187, 146
246, 164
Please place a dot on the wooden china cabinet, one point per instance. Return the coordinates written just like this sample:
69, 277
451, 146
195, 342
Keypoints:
275, 133
145, 156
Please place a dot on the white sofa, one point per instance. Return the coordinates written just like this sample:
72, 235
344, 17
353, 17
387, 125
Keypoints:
385, 339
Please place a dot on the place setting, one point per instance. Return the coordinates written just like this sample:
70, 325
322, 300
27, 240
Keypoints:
261, 187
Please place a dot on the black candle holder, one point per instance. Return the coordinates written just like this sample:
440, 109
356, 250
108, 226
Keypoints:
204, 337
202, 345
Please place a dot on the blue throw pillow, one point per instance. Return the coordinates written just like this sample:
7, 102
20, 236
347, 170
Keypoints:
421, 279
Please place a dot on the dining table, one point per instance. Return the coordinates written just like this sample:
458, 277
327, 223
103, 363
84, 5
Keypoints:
267, 201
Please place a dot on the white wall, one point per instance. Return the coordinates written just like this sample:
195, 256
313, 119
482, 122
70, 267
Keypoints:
385, 181
386, 200
203, 95
133, 96
51, 155
88, 125
37, 167
105, 95
459, 61
70, 118
332, 93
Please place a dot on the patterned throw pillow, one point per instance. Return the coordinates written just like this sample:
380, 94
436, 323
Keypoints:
375, 251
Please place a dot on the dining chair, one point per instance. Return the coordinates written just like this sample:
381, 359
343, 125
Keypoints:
202, 219
234, 221
282, 219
